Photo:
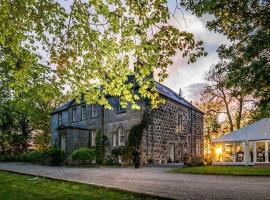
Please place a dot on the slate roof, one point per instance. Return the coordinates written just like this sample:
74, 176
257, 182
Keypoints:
63, 107
162, 89
169, 93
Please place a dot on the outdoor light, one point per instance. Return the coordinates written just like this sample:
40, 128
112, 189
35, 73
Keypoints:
218, 150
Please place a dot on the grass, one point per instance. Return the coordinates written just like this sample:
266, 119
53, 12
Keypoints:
226, 170
20, 187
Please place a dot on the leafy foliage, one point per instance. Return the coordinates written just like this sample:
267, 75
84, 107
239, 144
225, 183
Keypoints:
246, 23
100, 139
93, 45
83, 156
35, 156
135, 134
52, 156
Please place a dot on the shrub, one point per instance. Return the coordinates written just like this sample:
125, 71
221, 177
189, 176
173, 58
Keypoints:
83, 156
35, 156
52, 156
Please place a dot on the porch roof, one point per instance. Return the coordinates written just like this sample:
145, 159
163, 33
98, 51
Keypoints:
259, 130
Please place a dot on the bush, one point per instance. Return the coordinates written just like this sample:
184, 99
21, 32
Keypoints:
193, 162
52, 156
35, 156
83, 156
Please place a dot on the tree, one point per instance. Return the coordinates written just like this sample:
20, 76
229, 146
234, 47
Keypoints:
232, 101
246, 23
96, 45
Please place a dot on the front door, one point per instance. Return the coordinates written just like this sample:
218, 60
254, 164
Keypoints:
172, 152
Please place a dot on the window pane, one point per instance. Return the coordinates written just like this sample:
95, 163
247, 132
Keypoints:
114, 139
74, 114
93, 138
260, 150
121, 135
179, 123
239, 152
228, 152
83, 112
94, 110
60, 119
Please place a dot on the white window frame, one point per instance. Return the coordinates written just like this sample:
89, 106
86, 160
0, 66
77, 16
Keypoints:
121, 136
60, 119
74, 114
83, 112
94, 111
93, 138
115, 139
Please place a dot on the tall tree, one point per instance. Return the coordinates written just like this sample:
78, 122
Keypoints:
96, 45
247, 24
234, 100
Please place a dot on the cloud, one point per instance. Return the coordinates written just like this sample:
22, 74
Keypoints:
192, 92
190, 77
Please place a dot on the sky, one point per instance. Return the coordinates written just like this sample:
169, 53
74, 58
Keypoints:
190, 77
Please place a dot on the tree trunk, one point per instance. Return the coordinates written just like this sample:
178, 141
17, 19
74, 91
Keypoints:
240, 111
227, 110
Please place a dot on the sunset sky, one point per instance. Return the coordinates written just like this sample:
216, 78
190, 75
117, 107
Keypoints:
190, 77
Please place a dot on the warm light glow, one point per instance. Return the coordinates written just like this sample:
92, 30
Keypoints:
218, 150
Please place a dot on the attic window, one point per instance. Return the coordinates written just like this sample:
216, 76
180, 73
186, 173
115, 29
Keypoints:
120, 109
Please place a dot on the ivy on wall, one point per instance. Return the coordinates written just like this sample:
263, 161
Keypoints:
100, 142
134, 141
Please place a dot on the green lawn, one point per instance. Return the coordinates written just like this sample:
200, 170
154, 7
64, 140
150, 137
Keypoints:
19, 187
226, 170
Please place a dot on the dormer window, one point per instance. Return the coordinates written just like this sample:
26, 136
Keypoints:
94, 110
60, 120
83, 112
74, 116
120, 109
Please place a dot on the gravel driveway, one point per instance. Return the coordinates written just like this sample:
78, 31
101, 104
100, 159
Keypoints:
156, 181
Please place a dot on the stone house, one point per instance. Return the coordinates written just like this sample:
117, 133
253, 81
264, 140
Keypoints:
174, 129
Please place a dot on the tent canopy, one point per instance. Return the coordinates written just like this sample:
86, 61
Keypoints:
259, 130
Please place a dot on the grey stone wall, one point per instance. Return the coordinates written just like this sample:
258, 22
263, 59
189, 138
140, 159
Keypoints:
161, 136
158, 141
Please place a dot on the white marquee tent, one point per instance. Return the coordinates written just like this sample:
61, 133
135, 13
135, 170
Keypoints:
247, 146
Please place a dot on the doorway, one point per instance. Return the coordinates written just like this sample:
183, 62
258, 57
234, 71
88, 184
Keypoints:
172, 152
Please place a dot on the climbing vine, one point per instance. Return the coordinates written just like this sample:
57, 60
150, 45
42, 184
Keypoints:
134, 141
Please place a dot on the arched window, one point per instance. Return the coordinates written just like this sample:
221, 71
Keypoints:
121, 136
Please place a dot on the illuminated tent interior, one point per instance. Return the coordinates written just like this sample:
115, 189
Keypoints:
249, 145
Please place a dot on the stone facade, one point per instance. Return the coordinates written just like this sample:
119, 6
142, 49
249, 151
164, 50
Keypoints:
174, 129
164, 141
